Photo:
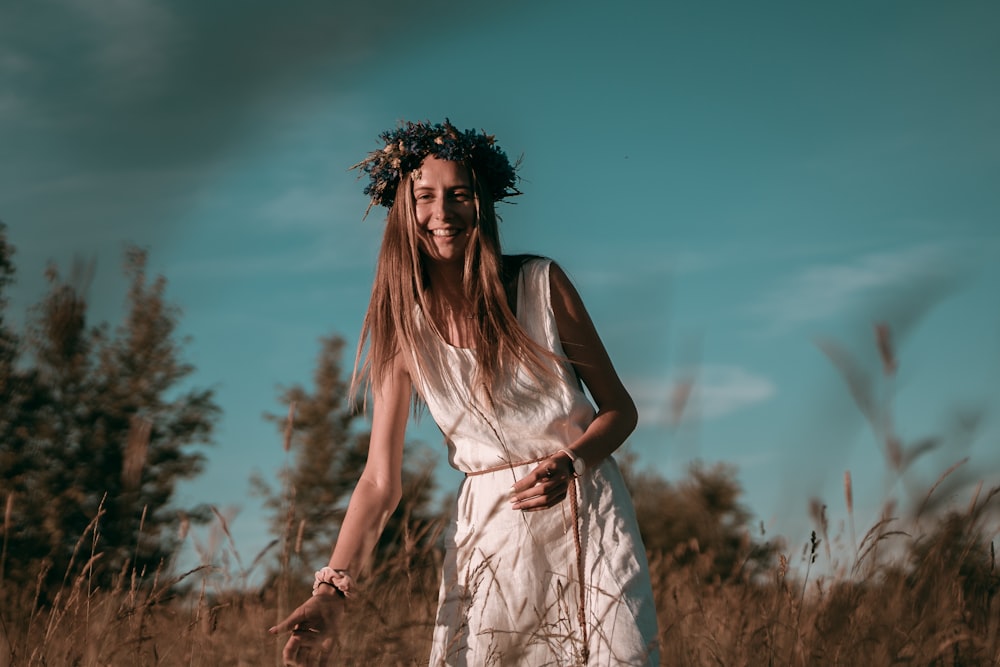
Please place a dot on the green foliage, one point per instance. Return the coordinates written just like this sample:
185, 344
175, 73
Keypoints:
7, 339
698, 521
99, 435
329, 445
15, 384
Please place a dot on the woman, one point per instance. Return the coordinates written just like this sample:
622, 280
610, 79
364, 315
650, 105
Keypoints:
543, 564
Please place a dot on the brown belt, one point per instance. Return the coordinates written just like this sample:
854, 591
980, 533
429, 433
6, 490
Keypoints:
575, 513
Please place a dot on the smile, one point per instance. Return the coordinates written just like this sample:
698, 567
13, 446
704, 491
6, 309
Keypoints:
447, 232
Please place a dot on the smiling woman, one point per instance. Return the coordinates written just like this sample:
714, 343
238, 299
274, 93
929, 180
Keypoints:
445, 208
543, 561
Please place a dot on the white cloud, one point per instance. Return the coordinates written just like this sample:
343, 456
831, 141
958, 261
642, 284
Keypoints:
823, 292
703, 393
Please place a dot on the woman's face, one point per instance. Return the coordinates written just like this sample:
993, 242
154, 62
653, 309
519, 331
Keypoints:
445, 208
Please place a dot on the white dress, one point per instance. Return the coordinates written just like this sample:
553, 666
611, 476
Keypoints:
510, 589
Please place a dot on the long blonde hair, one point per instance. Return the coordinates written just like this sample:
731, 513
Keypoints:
399, 292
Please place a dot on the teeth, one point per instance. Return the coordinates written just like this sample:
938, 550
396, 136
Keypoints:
444, 232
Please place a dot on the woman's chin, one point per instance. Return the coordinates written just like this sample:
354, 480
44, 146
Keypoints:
447, 254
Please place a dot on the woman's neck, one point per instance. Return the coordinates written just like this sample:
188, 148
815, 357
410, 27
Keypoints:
449, 307
446, 281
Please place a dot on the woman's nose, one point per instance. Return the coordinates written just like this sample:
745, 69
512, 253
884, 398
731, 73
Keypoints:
441, 209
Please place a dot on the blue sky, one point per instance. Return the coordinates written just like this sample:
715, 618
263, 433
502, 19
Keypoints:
731, 185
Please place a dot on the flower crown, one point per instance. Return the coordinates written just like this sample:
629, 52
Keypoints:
408, 145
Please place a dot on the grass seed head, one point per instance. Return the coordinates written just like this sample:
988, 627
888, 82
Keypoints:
848, 492
883, 339
289, 427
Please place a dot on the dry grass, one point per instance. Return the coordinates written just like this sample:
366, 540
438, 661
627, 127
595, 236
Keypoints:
207, 616
936, 605
934, 602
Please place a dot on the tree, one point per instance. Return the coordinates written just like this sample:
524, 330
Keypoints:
698, 521
17, 389
15, 383
8, 341
329, 446
110, 431
9, 390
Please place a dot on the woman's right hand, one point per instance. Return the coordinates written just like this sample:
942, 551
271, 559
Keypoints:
544, 487
313, 626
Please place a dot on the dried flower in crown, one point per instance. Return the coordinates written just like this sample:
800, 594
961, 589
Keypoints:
408, 145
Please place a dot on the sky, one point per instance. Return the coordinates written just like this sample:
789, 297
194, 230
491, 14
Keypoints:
740, 192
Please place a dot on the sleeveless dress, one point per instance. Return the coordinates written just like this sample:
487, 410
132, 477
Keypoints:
510, 590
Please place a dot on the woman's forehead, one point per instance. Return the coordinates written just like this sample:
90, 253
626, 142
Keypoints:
435, 171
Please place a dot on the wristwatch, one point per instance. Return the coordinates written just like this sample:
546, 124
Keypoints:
579, 465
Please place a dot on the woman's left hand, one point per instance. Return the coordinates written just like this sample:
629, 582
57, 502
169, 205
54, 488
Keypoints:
545, 486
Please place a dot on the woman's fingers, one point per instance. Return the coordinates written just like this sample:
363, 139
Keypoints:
295, 618
548, 471
317, 614
307, 650
313, 626
543, 501
543, 487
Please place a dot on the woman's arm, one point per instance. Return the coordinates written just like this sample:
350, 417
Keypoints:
314, 623
379, 490
616, 413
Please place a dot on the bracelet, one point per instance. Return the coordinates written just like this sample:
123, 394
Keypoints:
340, 580
336, 591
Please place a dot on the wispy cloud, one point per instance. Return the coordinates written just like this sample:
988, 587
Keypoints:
303, 207
134, 37
14, 67
14, 63
823, 292
328, 254
704, 393
642, 263
11, 106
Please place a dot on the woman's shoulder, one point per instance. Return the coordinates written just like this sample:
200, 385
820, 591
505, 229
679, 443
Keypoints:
513, 264
518, 270
533, 266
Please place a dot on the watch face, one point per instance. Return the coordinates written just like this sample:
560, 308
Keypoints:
579, 466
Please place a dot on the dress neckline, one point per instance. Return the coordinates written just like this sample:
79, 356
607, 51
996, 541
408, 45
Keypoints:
471, 350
